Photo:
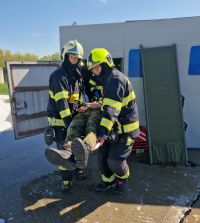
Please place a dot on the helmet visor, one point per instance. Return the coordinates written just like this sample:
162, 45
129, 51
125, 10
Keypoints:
91, 63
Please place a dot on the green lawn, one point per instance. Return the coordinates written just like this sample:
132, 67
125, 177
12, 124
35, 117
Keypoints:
3, 88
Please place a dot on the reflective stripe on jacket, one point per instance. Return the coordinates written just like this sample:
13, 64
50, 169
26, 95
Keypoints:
119, 104
64, 90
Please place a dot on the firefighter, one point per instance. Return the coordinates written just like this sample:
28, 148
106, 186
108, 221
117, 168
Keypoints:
119, 104
64, 96
83, 124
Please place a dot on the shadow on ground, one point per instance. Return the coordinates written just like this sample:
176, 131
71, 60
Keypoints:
155, 194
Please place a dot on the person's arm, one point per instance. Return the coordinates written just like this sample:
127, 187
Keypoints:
111, 108
60, 94
90, 105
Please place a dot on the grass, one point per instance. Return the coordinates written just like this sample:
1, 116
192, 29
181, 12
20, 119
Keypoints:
4, 89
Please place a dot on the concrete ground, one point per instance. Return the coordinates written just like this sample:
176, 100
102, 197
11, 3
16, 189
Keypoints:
194, 215
30, 190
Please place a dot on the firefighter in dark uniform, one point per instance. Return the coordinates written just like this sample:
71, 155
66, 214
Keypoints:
64, 95
119, 105
81, 137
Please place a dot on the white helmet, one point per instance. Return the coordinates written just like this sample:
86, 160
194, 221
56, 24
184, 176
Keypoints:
73, 47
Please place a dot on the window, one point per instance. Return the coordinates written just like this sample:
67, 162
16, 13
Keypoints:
194, 64
134, 63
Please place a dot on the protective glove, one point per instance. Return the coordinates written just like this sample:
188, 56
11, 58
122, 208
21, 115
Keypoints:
49, 135
113, 134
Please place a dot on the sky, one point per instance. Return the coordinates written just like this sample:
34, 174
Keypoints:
32, 26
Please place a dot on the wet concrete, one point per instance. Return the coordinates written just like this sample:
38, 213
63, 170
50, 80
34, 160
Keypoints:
194, 215
30, 190
20, 162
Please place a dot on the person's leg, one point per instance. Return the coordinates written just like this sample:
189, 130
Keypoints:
66, 174
60, 156
107, 176
60, 136
77, 126
117, 163
91, 129
79, 174
82, 148
93, 121
77, 129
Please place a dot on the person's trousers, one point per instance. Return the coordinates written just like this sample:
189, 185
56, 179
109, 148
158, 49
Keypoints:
84, 123
60, 136
112, 158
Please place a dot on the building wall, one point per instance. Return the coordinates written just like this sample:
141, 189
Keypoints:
120, 38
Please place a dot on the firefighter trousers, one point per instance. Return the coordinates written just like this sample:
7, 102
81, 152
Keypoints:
112, 158
60, 136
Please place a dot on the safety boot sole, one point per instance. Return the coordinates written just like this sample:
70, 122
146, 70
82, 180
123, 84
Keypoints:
102, 187
80, 152
121, 188
59, 158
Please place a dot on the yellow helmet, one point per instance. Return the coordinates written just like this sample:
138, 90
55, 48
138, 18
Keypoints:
98, 56
73, 47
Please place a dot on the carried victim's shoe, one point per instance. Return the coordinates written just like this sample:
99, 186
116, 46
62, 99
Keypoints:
103, 186
80, 152
121, 186
60, 158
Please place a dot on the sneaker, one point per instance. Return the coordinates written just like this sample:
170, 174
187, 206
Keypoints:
60, 158
103, 186
121, 186
66, 186
81, 153
79, 174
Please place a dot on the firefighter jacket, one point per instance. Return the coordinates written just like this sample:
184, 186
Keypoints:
64, 94
92, 87
119, 104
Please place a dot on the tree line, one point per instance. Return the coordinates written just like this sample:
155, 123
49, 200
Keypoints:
8, 55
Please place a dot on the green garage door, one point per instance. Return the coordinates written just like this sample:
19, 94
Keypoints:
163, 105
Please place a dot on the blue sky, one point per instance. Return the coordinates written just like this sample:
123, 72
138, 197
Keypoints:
32, 26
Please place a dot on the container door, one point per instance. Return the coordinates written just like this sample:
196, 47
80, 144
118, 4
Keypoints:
28, 89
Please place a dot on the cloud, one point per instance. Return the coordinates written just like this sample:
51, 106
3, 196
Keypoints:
35, 34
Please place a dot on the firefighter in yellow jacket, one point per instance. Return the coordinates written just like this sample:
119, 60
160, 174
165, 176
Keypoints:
119, 104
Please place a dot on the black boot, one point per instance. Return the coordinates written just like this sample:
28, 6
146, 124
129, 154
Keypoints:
60, 158
103, 186
79, 174
121, 186
80, 152
66, 186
